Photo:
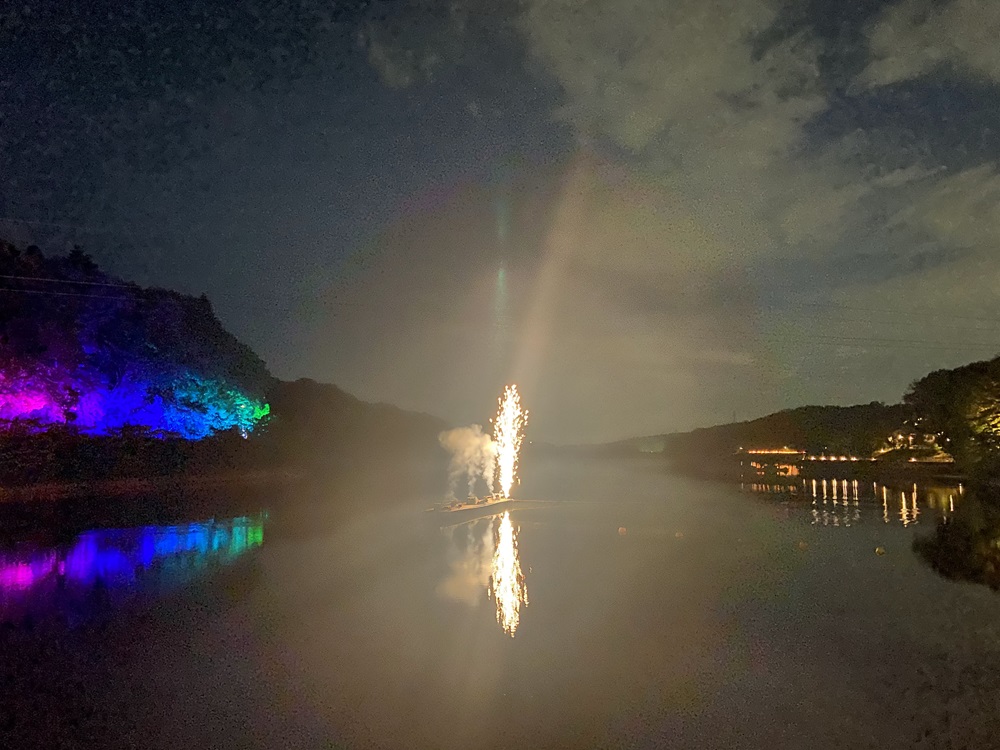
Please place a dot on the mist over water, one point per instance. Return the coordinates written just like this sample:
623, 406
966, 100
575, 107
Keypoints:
664, 612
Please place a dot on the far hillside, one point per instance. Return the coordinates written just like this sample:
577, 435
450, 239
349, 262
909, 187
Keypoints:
842, 430
854, 430
315, 424
953, 412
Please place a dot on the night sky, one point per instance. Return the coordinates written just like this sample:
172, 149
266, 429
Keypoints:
653, 215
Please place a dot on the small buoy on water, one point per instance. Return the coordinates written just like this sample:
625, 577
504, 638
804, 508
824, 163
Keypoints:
880, 551
622, 531
679, 535
803, 545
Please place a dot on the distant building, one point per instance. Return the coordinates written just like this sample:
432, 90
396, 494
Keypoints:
774, 462
918, 444
651, 444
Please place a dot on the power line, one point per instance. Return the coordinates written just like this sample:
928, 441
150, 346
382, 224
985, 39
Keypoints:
876, 339
61, 225
64, 294
916, 347
838, 342
891, 323
860, 341
69, 281
914, 313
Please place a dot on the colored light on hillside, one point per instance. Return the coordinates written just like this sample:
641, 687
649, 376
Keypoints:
187, 405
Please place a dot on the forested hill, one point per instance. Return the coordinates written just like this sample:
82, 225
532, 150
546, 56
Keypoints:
102, 378
844, 430
957, 410
317, 422
963, 406
81, 347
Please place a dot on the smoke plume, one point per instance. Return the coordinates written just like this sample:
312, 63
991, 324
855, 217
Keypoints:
470, 557
473, 456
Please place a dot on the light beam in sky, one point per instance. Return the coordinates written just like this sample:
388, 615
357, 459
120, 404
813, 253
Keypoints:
500, 309
561, 243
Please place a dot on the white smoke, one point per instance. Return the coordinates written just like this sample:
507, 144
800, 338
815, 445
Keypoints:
473, 456
470, 560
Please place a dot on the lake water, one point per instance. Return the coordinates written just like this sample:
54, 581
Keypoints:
661, 612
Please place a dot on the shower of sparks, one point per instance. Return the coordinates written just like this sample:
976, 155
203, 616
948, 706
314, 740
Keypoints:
508, 432
507, 586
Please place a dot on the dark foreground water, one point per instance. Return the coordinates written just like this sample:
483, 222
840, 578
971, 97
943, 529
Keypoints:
662, 612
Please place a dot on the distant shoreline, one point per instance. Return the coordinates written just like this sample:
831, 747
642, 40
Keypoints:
46, 492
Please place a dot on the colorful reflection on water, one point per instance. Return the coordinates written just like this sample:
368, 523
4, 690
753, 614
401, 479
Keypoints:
122, 560
846, 502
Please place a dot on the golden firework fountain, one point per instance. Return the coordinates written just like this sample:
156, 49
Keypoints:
506, 584
508, 436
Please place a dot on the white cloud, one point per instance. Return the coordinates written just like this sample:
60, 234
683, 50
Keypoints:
817, 216
905, 176
958, 213
961, 210
914, 37
632, 68
717, 124
648, 280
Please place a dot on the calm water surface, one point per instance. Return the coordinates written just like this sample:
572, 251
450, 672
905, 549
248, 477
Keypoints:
661, 612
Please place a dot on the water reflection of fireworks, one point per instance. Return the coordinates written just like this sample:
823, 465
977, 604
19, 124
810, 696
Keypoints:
507, 585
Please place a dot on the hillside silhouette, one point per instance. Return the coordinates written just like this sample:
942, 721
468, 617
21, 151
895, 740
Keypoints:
101, 378
81, 348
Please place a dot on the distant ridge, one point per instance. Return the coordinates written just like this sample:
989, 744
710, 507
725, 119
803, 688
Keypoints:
855, 430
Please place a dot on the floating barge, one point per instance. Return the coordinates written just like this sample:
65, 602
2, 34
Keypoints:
472, 503
465, 510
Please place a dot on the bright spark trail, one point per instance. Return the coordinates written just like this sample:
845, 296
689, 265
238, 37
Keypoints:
508, 433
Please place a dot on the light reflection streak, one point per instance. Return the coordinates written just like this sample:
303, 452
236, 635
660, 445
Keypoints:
507, 585
904, 512
128, 558
845, 501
